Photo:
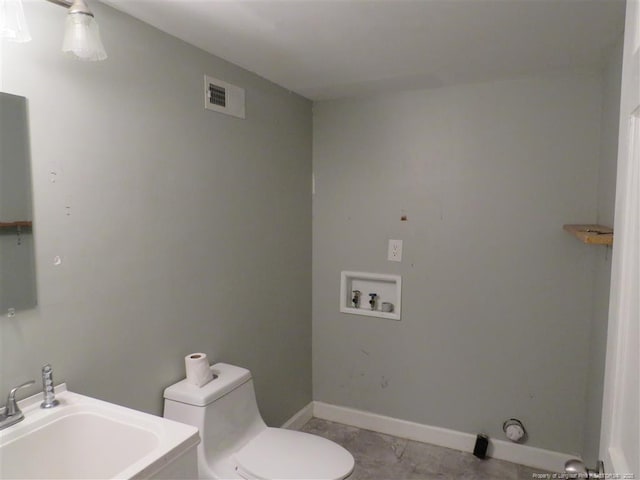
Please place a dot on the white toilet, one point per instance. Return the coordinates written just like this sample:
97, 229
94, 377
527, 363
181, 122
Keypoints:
237, 444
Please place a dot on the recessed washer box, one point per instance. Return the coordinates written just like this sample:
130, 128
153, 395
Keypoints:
387, 287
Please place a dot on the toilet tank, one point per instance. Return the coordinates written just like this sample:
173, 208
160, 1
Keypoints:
224, 411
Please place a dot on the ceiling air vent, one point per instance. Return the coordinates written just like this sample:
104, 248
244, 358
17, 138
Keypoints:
223, 97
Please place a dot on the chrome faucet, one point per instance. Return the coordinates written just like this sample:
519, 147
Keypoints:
12, 413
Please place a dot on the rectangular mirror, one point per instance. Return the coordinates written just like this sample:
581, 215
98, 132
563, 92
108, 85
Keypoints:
17, 262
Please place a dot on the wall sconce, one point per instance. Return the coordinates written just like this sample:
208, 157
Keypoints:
81, 36
13, 25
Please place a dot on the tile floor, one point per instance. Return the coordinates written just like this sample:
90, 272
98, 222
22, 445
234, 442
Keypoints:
383, 457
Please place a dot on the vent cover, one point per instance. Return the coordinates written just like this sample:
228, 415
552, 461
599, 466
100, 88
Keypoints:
217, 95
223, 97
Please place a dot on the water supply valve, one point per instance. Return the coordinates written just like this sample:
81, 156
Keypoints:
373, 301
356, 298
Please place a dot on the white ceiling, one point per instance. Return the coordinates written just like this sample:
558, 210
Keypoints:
337, 48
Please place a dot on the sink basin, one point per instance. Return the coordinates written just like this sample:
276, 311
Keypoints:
85, 438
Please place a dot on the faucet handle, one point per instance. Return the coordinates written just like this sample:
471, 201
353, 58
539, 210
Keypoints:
12, 406
48, 390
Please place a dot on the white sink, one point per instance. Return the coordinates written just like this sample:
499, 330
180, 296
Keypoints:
85, 438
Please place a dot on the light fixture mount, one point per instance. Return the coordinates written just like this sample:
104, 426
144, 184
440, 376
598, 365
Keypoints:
80, 7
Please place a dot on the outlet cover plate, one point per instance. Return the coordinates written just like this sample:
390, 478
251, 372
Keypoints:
395, 251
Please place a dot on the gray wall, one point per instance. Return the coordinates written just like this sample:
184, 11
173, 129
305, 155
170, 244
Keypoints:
187, 230
606, 202
496, 301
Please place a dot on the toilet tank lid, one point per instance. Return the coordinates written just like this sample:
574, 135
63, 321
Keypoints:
229, 377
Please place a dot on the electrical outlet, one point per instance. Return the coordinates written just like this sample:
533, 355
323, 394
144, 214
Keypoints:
395, 251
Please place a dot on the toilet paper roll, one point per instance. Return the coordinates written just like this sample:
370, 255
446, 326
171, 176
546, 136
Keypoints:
197, 367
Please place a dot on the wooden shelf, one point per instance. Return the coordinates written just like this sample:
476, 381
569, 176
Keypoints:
19, 223
591, 234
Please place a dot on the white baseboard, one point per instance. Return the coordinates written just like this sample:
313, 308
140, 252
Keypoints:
500, 449
299, 419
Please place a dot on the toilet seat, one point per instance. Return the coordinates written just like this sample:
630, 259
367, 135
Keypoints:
287, 454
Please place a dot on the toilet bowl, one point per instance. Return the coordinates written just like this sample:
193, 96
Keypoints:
237, 444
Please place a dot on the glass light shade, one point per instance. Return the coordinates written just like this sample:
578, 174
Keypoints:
82, 38
13, 25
